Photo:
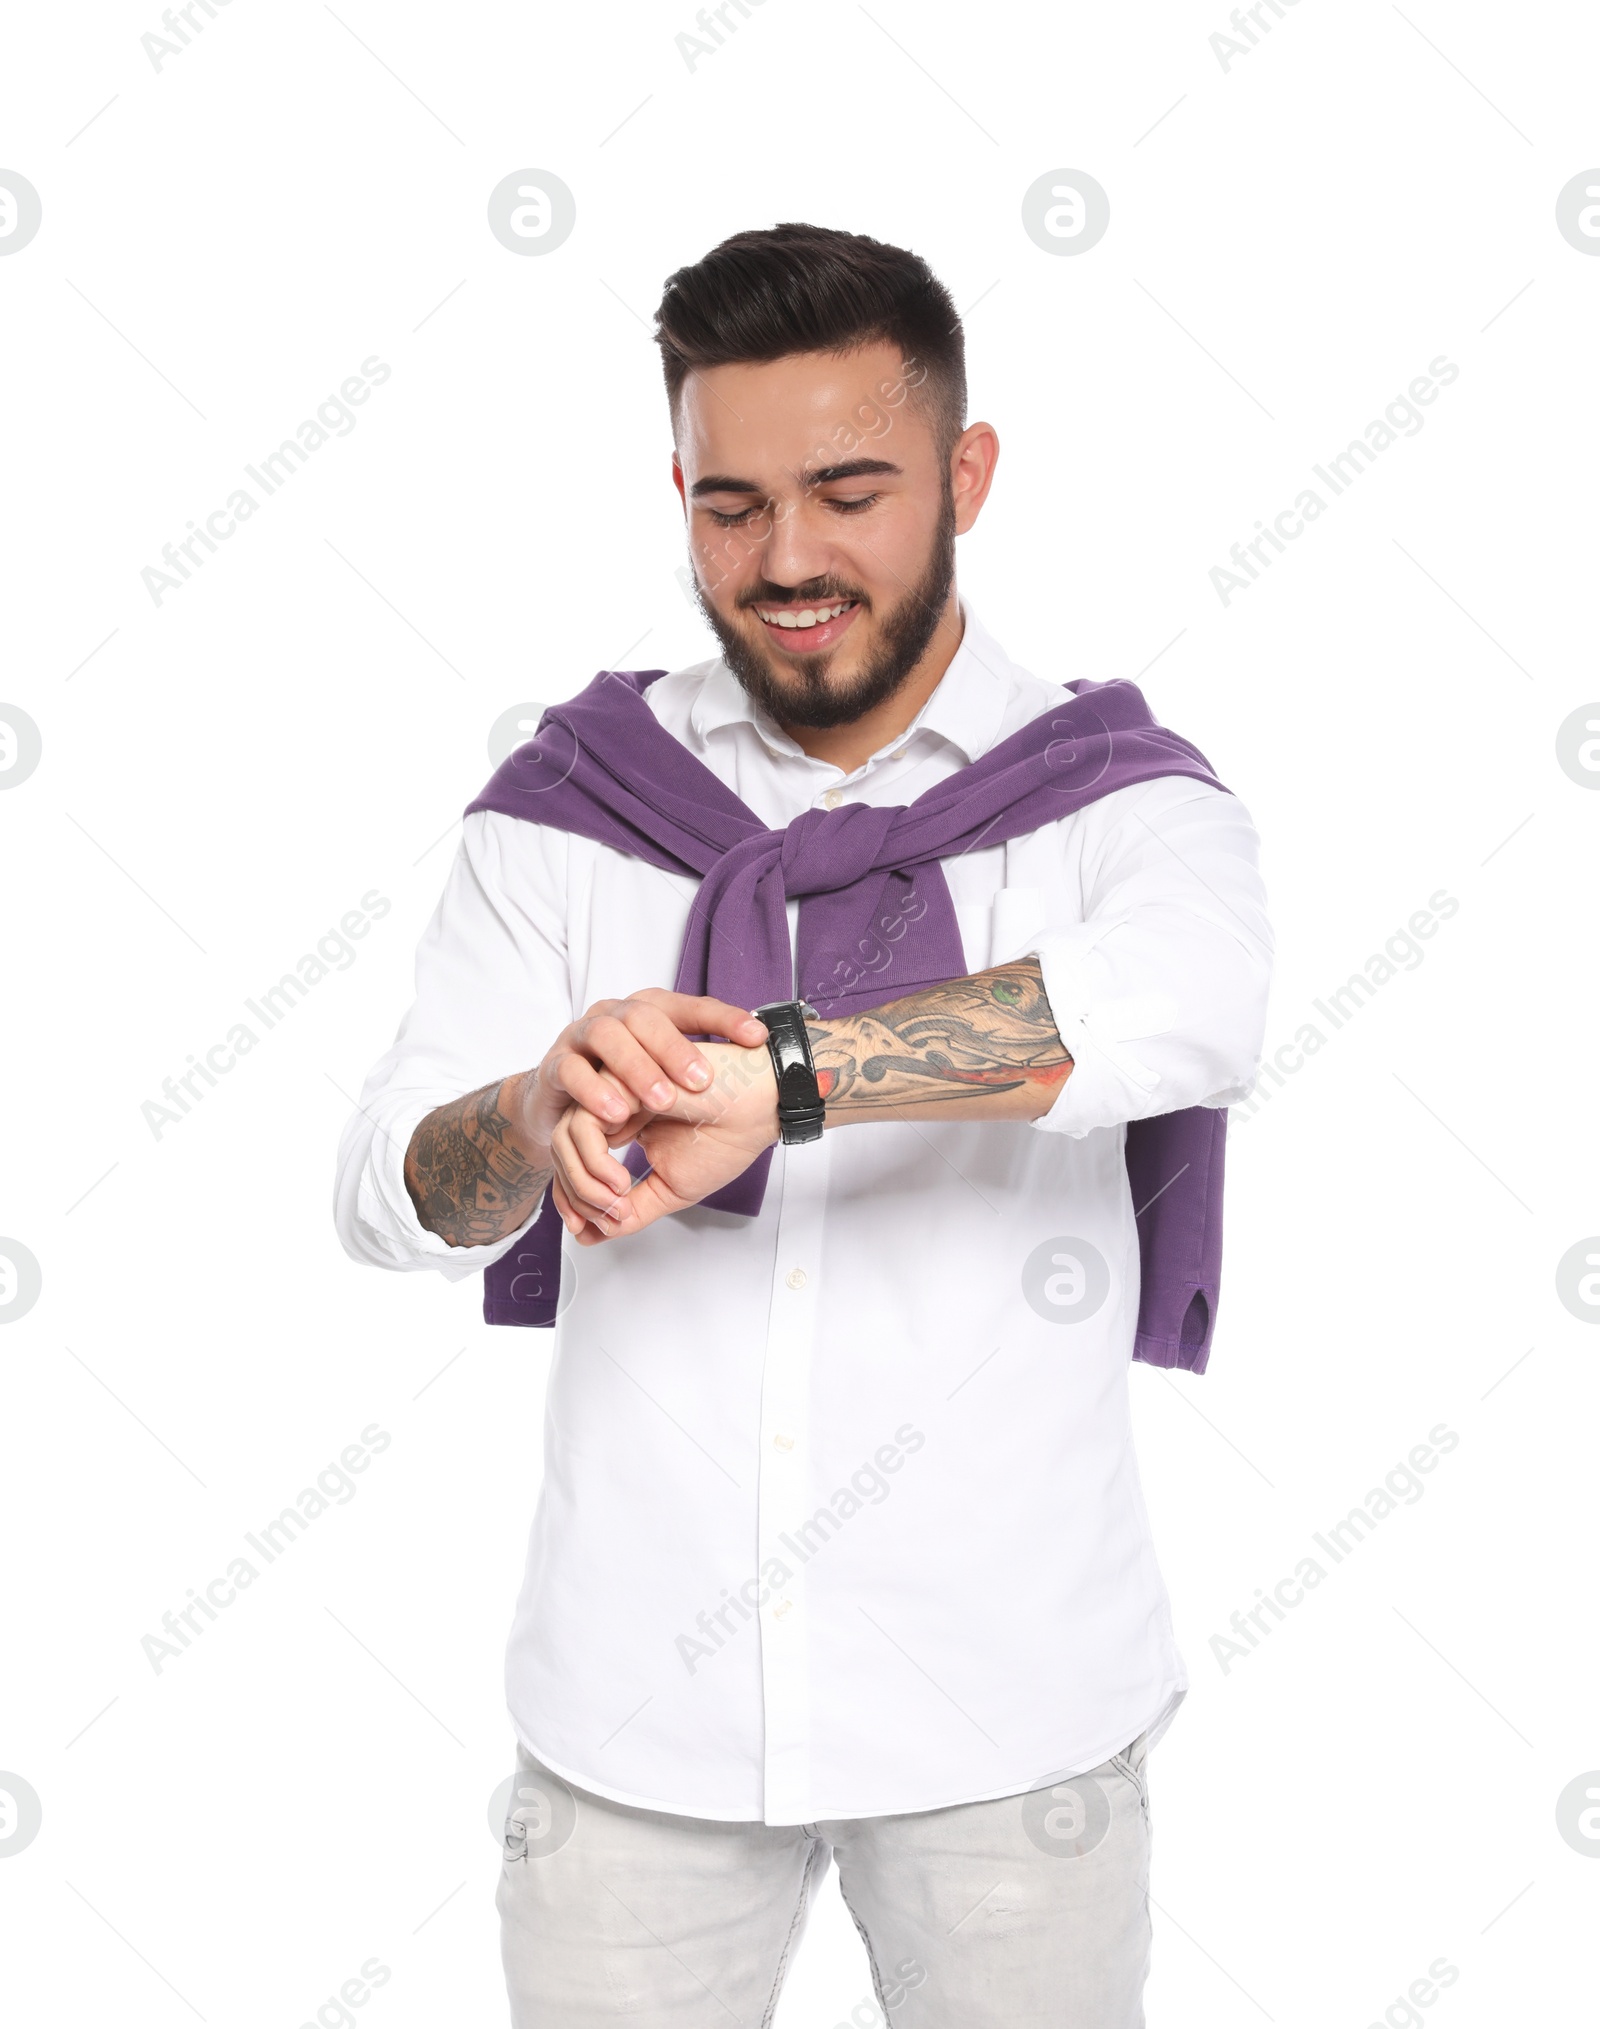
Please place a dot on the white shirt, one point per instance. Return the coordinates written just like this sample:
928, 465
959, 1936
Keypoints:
835, 1521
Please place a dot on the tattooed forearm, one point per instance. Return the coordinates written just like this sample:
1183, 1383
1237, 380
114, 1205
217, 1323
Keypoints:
471, 1172
971, 1040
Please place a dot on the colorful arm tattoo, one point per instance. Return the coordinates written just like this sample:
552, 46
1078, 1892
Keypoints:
990, 1033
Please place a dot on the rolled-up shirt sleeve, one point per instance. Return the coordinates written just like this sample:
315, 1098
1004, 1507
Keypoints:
492, 994
1159, 982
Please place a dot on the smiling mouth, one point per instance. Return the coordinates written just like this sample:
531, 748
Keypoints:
797, 618
807, 630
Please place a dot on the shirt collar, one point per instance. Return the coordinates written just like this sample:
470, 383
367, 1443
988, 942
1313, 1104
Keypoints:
967, 708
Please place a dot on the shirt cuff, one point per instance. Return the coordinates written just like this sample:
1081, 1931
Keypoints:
1110, 1083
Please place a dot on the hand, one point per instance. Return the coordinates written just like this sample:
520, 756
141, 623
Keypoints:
626, 1057
703, 1142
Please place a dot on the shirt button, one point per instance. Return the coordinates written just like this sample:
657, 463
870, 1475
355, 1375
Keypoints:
796, 1278
782, 1442
833, 799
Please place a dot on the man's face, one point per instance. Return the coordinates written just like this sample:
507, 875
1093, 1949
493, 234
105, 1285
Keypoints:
822, 526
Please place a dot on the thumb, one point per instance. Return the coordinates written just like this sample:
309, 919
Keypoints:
650, 1199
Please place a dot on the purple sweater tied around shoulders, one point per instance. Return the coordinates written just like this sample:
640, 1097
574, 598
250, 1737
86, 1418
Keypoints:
869, 881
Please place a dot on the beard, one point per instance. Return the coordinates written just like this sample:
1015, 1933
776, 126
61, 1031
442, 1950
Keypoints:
803, 696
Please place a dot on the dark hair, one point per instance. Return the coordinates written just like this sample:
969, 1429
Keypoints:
806, 288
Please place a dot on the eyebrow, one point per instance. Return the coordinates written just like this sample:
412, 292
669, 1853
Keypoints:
827, 475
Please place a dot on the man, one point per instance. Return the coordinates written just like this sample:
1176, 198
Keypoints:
840, 1548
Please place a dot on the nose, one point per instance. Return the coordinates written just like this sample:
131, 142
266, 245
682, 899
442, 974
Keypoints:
799, 548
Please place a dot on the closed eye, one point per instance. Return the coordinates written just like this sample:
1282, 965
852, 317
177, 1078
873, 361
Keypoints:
855, 505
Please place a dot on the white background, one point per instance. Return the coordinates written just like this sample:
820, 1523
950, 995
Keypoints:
1293, 239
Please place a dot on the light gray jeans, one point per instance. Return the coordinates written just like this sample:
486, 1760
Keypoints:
1023, 1912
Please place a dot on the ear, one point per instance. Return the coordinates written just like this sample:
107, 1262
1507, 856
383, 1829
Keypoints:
972, 463
677, 480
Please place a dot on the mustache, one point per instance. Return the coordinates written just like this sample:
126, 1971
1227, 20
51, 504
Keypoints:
815, 592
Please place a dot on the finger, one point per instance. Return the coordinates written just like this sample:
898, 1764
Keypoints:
583, 1167
634, 1116
591, 1143
574, 1221
576, 1080
590, 1175
611, 1043
699, 1014
584, 1232
684, 1063
589, 1195
571, 1217
649, 1200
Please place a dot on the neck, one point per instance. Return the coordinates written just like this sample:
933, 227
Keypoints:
847, 746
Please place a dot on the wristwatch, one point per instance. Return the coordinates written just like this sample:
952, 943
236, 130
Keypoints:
800, 1108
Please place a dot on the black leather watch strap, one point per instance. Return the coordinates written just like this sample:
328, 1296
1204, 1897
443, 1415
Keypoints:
800, 1108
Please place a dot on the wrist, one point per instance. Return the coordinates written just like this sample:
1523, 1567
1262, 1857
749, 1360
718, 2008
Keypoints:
743, 1090
524, 1105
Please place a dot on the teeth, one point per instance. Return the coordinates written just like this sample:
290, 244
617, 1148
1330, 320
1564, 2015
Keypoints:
808, 616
